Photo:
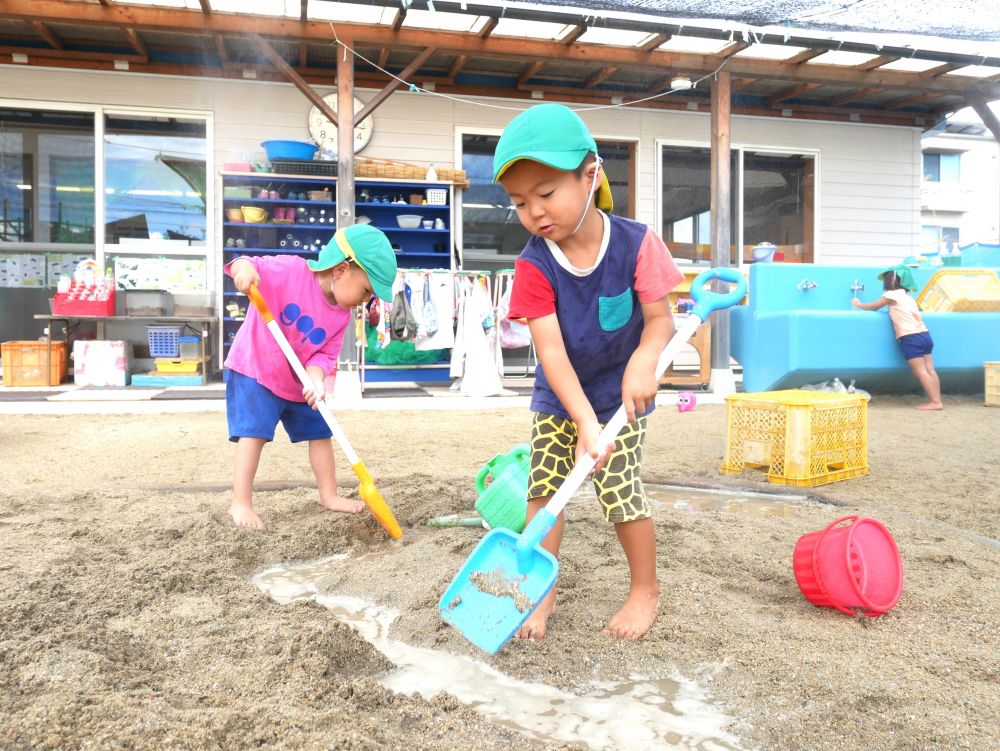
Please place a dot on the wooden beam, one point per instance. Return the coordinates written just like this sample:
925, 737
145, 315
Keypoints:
940, 70
397, 22
792, 93
383, 56
206, 6
345, 141
491, 23
304, 11
107, 3
851, 96
135, 41
989, 118
528, 73
727, 52
46, 33
44, 53
327, 77
654, 42
303, 55
380, 97
720, 203
457, 64
803, 56
281, 64
602, 75
220, 50
193, 22
575, 33
909, 101
878, 62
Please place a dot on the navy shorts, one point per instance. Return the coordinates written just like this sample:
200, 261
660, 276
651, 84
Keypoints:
253, 412
916, 345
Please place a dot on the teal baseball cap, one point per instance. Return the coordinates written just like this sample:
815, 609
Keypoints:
366, 246
553, 135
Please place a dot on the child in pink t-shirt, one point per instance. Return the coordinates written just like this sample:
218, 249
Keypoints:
311, 301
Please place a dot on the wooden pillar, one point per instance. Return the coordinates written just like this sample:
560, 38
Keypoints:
991, 121
345, 137
720, 210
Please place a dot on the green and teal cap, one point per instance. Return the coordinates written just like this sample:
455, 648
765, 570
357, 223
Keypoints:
904, 274
366, 246
553, 135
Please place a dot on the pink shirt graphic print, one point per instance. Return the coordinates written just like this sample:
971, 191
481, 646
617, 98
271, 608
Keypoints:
312, 324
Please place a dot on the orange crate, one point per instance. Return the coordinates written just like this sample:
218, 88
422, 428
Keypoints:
27, 363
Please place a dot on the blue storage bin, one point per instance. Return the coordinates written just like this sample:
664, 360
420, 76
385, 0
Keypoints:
163, 341
289, 150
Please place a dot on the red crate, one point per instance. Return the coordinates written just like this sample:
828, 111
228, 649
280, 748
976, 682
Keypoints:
62, 305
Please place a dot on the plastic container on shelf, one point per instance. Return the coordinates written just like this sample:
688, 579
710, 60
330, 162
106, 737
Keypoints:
189, 347
289, 150
436, 196
408, 221
164, 341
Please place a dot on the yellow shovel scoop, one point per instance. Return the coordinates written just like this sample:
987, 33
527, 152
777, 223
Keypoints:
366, 486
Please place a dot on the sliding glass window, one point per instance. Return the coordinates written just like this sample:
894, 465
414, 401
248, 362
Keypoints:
772, 201
46, 177
154, 180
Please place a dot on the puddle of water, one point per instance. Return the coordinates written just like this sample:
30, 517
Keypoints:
695, 500
642, 713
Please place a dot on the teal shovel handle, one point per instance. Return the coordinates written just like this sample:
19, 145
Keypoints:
706, 301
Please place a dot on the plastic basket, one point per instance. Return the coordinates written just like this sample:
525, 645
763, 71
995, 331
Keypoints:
163, 341
803, 438
992, 375
28, 364
436, 196
176, 366
961, 291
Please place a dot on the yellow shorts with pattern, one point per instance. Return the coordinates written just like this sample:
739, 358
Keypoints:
619, 489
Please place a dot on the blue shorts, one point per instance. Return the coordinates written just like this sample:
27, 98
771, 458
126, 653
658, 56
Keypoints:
916, 345
253, 412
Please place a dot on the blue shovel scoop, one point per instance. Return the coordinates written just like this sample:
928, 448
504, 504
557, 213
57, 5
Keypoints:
508, 574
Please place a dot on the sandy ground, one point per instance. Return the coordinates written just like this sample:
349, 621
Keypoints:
128, 618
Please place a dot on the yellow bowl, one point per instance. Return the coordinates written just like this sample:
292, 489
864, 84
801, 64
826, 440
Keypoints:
253, 214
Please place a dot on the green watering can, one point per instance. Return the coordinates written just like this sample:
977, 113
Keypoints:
503, 503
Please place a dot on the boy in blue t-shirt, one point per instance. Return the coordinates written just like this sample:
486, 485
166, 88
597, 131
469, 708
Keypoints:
594, 290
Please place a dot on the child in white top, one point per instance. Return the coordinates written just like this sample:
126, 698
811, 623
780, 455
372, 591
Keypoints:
911, 333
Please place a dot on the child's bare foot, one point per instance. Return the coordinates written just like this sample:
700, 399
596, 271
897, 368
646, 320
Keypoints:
931, 405
244, 516
339, 503
534, 628
636, 616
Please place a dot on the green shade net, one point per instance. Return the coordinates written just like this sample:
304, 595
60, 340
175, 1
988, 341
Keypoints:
399, 353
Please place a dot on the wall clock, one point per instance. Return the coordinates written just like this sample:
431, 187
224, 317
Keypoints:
325, 133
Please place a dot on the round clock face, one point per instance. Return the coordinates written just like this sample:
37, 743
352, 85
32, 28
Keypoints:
325, 133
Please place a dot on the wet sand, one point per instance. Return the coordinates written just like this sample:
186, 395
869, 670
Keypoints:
128, 617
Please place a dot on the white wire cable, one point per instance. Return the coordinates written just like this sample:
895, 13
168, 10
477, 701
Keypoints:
420, 90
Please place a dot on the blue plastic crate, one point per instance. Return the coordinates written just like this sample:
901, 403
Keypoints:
164, 341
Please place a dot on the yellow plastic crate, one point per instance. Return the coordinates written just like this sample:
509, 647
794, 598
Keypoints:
804, 438
992, 384
961, 291
27, 363
176, 366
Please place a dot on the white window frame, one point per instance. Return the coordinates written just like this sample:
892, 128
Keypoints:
100, 248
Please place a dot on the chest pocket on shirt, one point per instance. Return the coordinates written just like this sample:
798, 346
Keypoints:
616, 311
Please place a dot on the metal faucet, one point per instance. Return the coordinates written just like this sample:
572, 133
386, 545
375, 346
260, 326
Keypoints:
805, 284
856, 287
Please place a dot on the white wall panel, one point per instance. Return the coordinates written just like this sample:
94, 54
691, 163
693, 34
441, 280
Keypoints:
869, 176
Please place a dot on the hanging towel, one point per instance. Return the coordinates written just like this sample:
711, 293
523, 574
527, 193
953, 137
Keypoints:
429, 311
442, 291
513, 333
404, 325
481, 375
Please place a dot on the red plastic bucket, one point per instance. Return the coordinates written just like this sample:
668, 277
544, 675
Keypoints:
855, 567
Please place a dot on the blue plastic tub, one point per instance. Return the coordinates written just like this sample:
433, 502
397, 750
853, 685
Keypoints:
289, 149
